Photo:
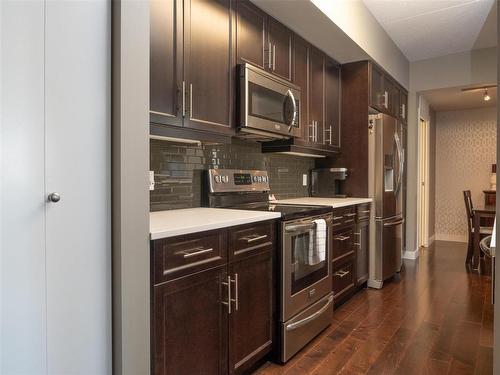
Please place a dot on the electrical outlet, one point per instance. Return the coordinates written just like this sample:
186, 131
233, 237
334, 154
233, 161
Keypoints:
304, 180
151, 180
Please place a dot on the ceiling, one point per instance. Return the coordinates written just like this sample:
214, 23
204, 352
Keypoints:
454, 98
424, 29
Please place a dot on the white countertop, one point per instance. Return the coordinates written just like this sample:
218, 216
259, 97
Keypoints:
334, 202
172, 223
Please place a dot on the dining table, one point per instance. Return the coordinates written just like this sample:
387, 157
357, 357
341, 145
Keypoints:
481, 214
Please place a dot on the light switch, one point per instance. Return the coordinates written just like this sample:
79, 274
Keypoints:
304, 180
151, 180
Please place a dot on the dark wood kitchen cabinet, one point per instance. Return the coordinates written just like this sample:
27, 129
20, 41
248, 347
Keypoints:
263, 41
190, 325
301, 79
165, 72
279, 41
250, 324
316, 96
331, 128
377, 92
250, 35
192, 65
403, 105
214, 313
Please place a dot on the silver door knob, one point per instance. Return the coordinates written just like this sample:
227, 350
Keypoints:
54, 197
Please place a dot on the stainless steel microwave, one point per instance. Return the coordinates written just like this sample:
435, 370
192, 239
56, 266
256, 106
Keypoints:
268, 105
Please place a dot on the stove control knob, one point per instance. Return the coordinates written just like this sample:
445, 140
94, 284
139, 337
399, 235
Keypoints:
217, 179
255, 179
225, 179
264, 178
259, 178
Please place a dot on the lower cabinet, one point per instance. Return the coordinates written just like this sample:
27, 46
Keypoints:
190, 325
363, 249
250, 322
216, 320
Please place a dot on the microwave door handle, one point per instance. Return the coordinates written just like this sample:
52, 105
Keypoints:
289, 94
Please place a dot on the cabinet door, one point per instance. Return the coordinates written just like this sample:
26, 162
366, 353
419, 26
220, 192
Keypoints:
250, 324
300, 78
377, 98
207, 65
392, 101
165, 62
189, 325
250, 35
331, 129
280, 42
316, 95
363, 246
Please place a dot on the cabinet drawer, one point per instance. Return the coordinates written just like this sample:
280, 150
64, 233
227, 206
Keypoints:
343, 243
344, 216
247, 239
179, 256
363, 211
344, 279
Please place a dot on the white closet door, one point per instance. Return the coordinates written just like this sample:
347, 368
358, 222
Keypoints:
78, 139
22, 198
55, 258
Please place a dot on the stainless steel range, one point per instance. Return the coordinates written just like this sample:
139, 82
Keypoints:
304, 280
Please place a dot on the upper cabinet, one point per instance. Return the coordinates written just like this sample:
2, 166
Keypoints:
207, 65
385, 94
332, 105
279, 43
250, 35
262, 41
165, 70
191, 81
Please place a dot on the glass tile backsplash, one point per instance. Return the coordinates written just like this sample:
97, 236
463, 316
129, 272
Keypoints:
178, 170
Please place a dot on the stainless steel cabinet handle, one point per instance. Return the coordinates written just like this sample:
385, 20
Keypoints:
338, 217
349, 215
183, 98
365, 211
195, 252
315, 131
304, 321
341, 273
493, 280
255, 238
190, 100
228, 303
274, 56
309, 131
341, 238
386, 99
236, 299
54, 197
391, 224
269, 56
403, 111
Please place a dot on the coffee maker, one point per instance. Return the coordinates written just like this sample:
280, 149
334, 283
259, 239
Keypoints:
328, 182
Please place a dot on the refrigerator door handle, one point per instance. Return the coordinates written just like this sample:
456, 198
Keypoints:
400, 179
394, 223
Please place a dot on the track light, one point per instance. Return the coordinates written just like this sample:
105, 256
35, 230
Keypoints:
486, 97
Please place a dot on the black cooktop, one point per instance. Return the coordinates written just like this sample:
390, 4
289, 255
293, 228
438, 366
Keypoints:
288, 211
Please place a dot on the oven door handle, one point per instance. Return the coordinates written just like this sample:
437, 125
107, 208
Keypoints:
296, 227
304, 321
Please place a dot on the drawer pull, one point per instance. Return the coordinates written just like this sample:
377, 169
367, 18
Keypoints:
342, 273
365, 211
357, 244
338, 217
255, 238
195, 252
350, 221
341, 238
349, 215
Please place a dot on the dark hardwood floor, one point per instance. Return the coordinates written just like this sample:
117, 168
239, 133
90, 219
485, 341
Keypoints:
435, 318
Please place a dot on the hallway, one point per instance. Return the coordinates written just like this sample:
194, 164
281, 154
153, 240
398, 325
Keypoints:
435, 318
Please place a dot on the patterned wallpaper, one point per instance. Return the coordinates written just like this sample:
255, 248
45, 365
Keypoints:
178, 170
465, 150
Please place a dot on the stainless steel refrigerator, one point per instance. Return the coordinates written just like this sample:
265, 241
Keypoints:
385, 174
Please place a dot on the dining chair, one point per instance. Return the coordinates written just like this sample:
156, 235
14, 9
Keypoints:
483, 231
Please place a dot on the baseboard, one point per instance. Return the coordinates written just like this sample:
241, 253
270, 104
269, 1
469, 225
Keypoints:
411, 255
432, 239
451, 237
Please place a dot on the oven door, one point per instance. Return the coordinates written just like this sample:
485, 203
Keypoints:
303, 282
268, 104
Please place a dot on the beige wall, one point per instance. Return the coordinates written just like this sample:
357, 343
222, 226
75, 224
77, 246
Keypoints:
465, 150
